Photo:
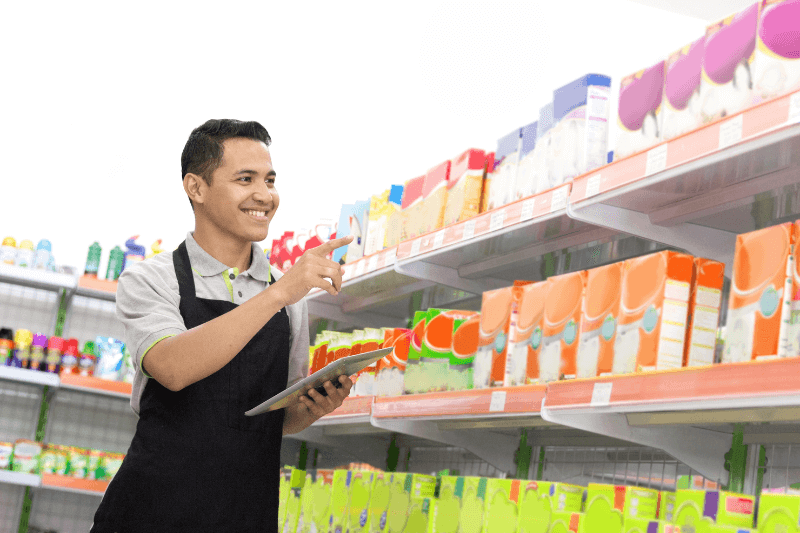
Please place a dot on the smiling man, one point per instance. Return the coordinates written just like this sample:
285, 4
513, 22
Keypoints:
214, 332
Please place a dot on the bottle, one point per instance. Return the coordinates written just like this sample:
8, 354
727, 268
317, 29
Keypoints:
55, 349
115, 261
6, 346
69, 361
87, 360
22, 348
25, 254
156, 249
37, 352
93, 260
8, 251
134, 253
44, 255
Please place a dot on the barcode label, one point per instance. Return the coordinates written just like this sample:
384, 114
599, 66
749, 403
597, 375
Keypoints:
498, 402
593, 186
373, 263
730, 132
360, 267
415, 247
438, 240
559, 199
601, 394
391, 257
656, 160
469, 230
527, 209
496, 222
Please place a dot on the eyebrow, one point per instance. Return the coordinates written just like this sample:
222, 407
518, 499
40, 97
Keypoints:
253, 172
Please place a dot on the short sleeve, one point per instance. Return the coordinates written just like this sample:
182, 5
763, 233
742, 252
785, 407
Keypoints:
298, 352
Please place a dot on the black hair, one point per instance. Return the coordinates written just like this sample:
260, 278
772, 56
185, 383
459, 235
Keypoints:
203, 152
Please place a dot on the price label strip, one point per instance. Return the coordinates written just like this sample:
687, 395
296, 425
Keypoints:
438, 240
527, 209
559, 199
593, 186
730, 132
601, 394
415, 247
469, 230
496, 222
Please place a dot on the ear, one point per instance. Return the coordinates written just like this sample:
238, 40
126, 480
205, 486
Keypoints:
195, 187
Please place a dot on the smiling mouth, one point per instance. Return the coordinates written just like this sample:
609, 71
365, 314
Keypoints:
258, 215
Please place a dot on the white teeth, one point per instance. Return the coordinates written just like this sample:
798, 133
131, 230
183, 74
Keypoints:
257, 213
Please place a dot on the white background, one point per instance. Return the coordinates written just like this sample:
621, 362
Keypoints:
99, 99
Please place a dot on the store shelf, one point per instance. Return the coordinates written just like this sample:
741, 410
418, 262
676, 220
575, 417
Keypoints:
97, 288
33, 377
91, 487
37, 279
20, 478
93, 385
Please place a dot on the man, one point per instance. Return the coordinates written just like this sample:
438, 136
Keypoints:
213, 333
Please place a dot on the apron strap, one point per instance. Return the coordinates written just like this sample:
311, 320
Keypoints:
183, 271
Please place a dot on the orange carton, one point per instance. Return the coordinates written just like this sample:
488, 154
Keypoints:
653, 312
465, 186
562, 324
412, 373
487, 180
434, 197
704, 306
437, 348
759, 306
525, 334
411, 207
462, 356
490, 361
599, 317
391, 369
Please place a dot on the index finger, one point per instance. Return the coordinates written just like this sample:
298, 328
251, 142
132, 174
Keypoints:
331, 245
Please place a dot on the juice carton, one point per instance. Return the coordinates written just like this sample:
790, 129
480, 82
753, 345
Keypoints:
632, 502
727, 82
776, 67
360, 491
721, 508
580, 132
358, 222
653, 312
562, 324
372, 340
342, 229
392, 368
473, 505
408, 495
294, 501
778, 512
502, 505
639, 112
394, 222
379, 212
411, 379
490, 360
527, 178
761, 289
684, 70
379, 502
412, 208
434, 196
506, 159
599, 316
317, 508
465, 186
542, 155
340, 501
666, 506
487, 178
450, 337
525, 334
704, 306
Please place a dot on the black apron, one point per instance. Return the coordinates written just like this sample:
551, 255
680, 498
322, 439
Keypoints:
196, 463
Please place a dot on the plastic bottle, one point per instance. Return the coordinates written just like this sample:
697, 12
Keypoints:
25, 254
69, 361
22, 348
55, 349
87, 360
156, 249
110, 358
8, 251
44, 255
115, 261
37, 352
93, 260
6, 346
135, 252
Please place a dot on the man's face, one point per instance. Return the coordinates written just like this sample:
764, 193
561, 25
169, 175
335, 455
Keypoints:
242, 198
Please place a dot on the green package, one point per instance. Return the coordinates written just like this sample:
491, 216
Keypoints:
407, 493
707, 525
304, 521
317, 505
448, 507
535, 507
722, 508
601, 513
379, 502
643, 525
779, 513
78, 459
294, 500
419, 516
633, 502
564, 522
340, 501
411, 378
666, 506
473, 505
283, 494
433, 359
360, 492
502, 506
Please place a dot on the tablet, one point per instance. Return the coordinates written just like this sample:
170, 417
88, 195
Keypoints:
346, 366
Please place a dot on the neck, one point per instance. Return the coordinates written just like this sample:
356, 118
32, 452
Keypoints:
222, 246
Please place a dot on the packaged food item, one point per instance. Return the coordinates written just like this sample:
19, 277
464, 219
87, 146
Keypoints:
645, 525
44, 255
704, 307
392, 368
599, 317
487, 173
434, 196
109, 465
294, 500
134, 252
8, 251
116, 259
442, 327
506, 159
466, 336
562, 326
778, 512
110, 359
378, 509
727, 82
6, 453
128, 371
317, 502
26, 456
37, 352
69, 360
361, 484
53, 460
525, 334
490, 360
352, 221
379, 213
684, 70
631, 502
542, 152
666, 506
6, 346
412, 208
502, 505
793, 335
22, 348
720, 508
25, 254
412, 377
340, 500
88, 359
776, 66
639, 111
579, 139
653, 312
407, 510
394, 223
78, 462
761, 289
93, 260
543, 504
372, 338
465, 186
527, 179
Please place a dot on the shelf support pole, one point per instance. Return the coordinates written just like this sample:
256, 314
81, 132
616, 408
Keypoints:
736, 461
522, 457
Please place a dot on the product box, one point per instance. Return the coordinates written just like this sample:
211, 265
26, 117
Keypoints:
462, 355
489, 364
411, 206
549, 507
761, 289
502, 505
379, 502
778, 513
473, 505
378, 225
392, 368
639, 111
305, 519
26, 456
340, 501
561, 330
317, 503
601, 515
448, 506
776, 67
283, 494
487, 179
704, 307
506, 159
722, 508
644, 525
434, 197
599, 316
579, 140
465, 186
371, 340
727, 84
525, 334
412, 375
442, 327
681, 110
294, 501
527, 180
653, 312
542, 152
360, 491
666, 506
632, 502
407, 505
353, 220
394, 223
566, 523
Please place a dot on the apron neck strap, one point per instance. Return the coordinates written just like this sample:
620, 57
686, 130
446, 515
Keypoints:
183, 271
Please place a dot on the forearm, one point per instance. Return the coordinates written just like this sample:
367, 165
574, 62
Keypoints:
297, 418
180, 361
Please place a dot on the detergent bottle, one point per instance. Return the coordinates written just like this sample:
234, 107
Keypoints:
44, 255
25, 254
156, 249
8, 251
135, 252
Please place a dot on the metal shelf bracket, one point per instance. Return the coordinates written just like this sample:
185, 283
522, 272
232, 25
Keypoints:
447, 276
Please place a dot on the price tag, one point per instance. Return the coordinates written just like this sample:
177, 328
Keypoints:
360, 267
348, 270
656, 160
496, 222
559, 199
391, 257
794, 108
415, 247
593, 186
601, 394
498, 402
469, 230
730, 132
373, 263
527, 209
438, 239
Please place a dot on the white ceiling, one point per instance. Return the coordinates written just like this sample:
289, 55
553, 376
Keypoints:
710, 10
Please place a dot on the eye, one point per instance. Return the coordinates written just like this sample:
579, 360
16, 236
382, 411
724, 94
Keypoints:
244, 179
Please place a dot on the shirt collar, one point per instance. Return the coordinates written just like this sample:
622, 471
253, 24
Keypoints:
206, 265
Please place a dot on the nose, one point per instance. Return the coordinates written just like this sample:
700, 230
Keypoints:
263, 194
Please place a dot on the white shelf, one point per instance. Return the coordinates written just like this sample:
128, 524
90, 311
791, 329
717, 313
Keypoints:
37, 279
33, 377
20, 478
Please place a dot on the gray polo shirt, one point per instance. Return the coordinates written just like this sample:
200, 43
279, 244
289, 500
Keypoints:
148, 300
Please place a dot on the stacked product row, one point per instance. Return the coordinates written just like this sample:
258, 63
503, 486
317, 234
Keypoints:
117, 258
31, 457
26, 256
105, 357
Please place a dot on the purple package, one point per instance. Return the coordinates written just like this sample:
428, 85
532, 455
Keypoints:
639, 110
777, 58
